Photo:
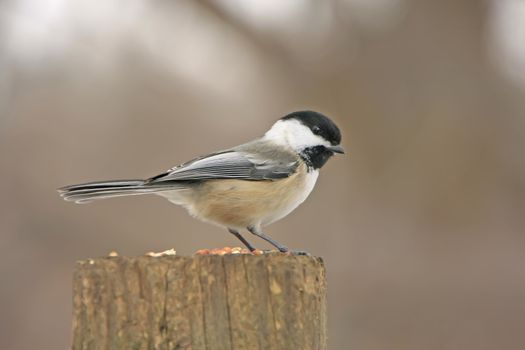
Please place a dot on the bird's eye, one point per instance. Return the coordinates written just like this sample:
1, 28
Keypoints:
316, 130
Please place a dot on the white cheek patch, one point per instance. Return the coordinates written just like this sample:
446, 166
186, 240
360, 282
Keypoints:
294, 134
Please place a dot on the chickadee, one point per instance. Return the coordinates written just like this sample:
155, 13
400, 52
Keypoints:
247, 186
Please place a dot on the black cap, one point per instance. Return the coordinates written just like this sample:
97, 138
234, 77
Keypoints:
319, 124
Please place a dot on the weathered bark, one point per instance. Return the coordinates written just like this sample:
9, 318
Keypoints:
270, 301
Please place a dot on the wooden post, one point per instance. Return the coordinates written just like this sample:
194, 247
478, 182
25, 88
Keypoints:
238, 301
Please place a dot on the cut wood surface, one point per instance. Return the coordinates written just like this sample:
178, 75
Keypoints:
238, 301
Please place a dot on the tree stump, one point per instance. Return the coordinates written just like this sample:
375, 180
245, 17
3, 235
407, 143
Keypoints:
238, 301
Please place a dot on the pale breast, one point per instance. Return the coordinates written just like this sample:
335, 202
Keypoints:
302, 187
238, 204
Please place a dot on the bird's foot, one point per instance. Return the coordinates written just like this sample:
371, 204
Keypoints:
300, 252
288, 251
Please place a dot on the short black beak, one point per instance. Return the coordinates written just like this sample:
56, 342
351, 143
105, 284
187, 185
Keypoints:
336, 149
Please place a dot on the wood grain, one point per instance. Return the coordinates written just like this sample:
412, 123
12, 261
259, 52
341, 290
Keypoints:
270, 301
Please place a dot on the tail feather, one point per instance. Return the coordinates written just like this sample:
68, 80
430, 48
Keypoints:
102, 184
87, 192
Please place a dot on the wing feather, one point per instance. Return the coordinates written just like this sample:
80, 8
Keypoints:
231, 164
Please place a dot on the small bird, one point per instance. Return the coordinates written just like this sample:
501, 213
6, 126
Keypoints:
248, 186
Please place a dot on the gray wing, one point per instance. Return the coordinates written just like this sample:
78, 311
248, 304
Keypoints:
232, 164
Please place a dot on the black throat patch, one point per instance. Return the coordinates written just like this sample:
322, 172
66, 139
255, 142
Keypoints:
315, 157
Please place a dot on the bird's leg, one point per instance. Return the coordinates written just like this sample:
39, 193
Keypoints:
257, 231
242, 239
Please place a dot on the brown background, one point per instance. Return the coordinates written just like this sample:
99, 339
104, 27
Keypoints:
421, 224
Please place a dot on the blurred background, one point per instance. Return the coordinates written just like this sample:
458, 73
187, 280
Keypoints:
421, 225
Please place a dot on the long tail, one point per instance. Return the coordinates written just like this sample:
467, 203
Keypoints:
87, 192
